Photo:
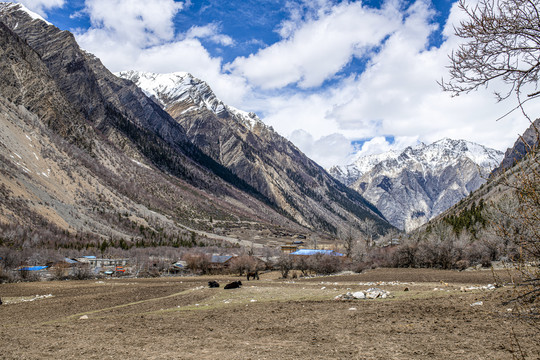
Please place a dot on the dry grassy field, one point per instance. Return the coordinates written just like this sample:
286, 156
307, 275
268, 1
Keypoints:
272, 318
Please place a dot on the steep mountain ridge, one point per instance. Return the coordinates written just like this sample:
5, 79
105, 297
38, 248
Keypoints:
348, 174
529, 141
85, 152
414, 185
258, 155
114, 106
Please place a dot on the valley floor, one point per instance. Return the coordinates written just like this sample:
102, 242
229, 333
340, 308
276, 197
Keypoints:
181, 318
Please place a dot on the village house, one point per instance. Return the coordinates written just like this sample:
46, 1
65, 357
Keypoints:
220, 263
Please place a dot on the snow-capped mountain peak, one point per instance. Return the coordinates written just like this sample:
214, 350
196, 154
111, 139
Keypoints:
433, 156
173, 88
417, 183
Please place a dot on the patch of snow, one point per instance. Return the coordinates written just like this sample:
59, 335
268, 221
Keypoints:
14, 6
372, 293
471, 288
191, 108
140, 164
359, 295
37, 297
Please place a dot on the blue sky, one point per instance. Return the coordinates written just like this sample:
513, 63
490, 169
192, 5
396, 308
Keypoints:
252, 24
335, 77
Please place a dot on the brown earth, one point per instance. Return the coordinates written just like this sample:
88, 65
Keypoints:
181, 318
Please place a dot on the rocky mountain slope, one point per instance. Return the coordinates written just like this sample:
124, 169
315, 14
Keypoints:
508, 199
415, 185
84, 152
255, 153
524, 144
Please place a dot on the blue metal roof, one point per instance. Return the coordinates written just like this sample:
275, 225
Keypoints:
32, 268
89, 257
220, 259
316, 252
70, 261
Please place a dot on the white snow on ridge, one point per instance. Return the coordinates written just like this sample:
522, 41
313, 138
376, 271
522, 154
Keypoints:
175, 85
431, 157
18, 6
364, 164
172, 88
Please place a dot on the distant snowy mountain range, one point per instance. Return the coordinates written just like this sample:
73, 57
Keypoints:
412, 186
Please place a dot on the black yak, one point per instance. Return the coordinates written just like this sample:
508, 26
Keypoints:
253, 275
233, 285
213, 284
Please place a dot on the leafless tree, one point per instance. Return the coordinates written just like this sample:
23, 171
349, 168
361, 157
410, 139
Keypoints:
285, 264
301, 263
502, 42
243, 263
198, 262
325, 264
369, 229
517, 222
349, 239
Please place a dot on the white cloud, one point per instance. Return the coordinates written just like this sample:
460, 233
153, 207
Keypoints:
299, 12
210, 32
140, 22
318, 48
380, 144
400, 88
340, 147
396, 95
41, 6
140, 35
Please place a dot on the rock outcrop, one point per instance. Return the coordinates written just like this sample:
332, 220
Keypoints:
526, 143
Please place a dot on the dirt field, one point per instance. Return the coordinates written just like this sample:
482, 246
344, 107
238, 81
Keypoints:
181, 318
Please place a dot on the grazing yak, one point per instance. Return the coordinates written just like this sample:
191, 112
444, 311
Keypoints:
213, 284
253, 275
233, 285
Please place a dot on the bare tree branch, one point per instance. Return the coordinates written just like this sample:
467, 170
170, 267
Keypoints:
502, 42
